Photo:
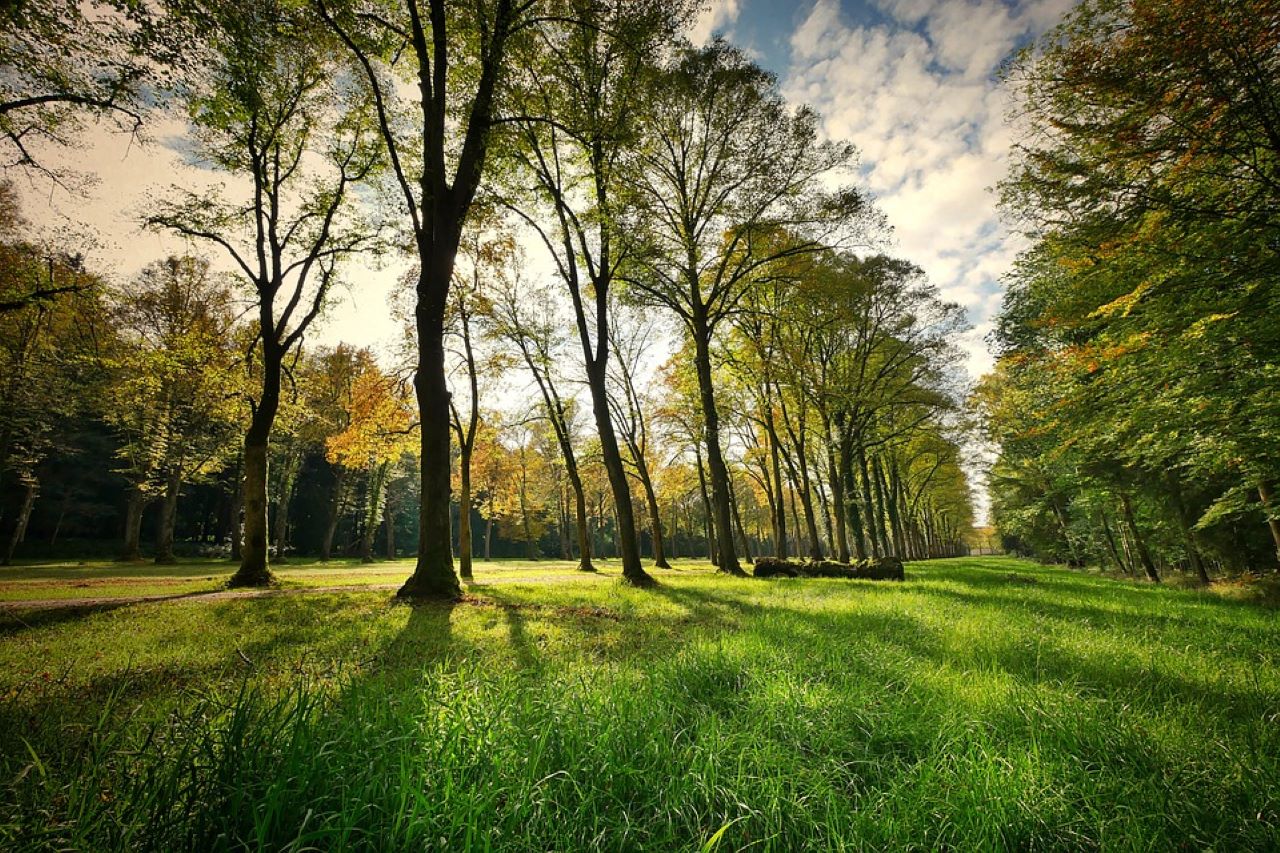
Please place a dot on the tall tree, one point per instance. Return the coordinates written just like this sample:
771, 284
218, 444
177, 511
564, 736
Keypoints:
461, 57
275, 114
730, 179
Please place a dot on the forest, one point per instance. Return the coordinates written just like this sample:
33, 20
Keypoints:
707, 366
673, 515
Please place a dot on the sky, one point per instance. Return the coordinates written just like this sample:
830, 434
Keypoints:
912, 83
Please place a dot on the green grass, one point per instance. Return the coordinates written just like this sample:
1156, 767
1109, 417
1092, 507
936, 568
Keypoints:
984, 703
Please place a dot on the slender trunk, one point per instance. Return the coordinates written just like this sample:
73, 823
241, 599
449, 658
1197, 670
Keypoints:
1183, 517
389, 520
236, 510
837, 498
1272, 513
287, 478
24, 516
716, 468
875, 543
464, 514
775, 462
377, 478
254, 569
488, 538
584, 531
334, 513
849, 488
433, 575
655, 515
134, 505
1144, 555
628, 545
743, 542
708, 534
1110, 539
168, 516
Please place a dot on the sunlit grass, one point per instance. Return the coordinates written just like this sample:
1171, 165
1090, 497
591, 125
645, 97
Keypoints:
982, 703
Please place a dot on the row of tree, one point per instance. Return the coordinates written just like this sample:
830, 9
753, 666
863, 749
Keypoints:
1134, 404
657, 176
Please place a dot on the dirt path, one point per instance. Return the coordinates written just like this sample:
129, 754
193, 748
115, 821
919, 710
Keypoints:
228, 594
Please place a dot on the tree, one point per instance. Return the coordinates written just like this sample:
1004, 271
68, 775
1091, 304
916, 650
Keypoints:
581, 104
461, 59
526, 317
173, 398
379, 431
730, 182
275, 113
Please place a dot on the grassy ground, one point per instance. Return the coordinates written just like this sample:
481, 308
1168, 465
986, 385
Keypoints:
983, 703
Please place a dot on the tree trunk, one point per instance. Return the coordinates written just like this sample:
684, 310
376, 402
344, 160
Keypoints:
655, 515
334, 513
837, 498
716, 468
388, 519
254, 569
1182, 514
168, 516
1144, 555
24, 516
464, 515
287, 478
584, 530
1111, 545
708, 533
1271, 512
135, 503
433, 576
377, 478
488, 539
775, 463
236, 537
849, 488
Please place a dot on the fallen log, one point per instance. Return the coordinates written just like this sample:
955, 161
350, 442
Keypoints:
881, 568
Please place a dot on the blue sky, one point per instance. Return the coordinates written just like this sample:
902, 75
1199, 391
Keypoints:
913, 84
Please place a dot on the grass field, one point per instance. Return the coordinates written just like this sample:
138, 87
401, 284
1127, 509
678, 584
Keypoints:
984, 703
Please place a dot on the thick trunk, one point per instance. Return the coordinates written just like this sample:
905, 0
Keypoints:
464, 515
20, 524
1144, 556
168, 516
433, 576
134, 505
254, 569
716, 468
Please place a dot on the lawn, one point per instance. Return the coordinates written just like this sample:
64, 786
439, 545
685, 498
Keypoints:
983, 703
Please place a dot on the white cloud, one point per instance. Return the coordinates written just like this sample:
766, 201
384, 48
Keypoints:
715, 18
918, 96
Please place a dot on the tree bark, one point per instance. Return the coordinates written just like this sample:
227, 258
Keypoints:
716, 468
254, 564
1272, 514
377, 478
433, 576
20, 523
334, 513
168, 516
464, 515
1144, 556
135, 503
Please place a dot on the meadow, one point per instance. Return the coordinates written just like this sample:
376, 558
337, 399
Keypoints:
983, 703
